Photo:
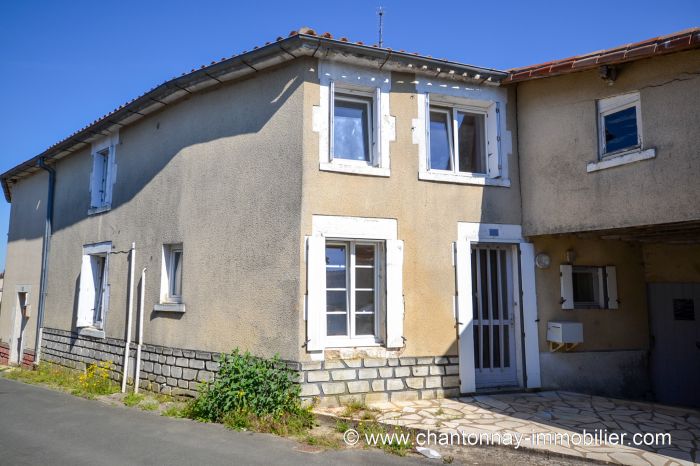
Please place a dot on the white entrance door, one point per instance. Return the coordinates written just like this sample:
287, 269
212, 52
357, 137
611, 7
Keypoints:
18, 324
494, 320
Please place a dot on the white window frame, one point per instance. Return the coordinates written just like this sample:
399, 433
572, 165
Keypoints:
347, 80
360, 97
94, 326
497, 139
326, 229
605, 282
104, 173
379, 291
627, 155
169, 302
453, 135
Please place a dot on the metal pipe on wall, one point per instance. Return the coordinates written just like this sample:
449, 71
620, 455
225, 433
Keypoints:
140, 337
127, 342
48, 226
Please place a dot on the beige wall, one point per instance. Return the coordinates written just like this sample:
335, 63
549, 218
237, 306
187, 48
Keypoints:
625, 328
23, 260
218, 172
427, 214
558, 137
678, 263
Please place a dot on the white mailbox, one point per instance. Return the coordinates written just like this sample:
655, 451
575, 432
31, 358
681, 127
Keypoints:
565, 332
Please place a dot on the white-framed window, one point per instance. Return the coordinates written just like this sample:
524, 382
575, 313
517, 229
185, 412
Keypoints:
457, 140
353, 120
459, 137
171, 283
354, 287
93, 297
588, 287
620, 132
104, 172
619, 128
354, 283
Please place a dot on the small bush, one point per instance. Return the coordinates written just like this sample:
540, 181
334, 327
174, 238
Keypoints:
247, 384
96, 381
177, 410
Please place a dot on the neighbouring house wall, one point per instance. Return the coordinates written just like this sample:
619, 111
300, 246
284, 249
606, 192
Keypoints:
23, 260
427, 214
679, 263
557, 119
613, 359
218, 172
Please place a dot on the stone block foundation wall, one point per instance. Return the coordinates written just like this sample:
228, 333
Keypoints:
166, 370
177, 371
376, 380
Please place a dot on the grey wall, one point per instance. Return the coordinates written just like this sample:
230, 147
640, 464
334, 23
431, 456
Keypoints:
220, 173
557, 120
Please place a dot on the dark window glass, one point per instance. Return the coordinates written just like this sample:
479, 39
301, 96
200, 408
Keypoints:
471, 142
621, 130
683, 309
440, 151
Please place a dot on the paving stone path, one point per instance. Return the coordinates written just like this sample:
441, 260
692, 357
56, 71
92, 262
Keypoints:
539, 417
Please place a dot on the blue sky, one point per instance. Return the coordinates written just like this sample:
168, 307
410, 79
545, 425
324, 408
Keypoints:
63, 64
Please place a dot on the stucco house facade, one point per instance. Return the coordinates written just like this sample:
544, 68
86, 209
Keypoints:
394, 226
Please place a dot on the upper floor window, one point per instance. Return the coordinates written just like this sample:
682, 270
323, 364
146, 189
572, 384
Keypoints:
352, 119
103, 174
459, 138
457, 141
618, 123
353, 128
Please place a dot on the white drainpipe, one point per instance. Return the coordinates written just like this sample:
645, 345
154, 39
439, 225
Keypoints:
140, 339
127, 343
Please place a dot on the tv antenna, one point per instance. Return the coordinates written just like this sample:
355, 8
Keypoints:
380, 12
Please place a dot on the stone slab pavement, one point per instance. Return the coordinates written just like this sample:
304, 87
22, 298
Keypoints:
548, 421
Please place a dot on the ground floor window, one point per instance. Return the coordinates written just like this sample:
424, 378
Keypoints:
353, 281
93, 297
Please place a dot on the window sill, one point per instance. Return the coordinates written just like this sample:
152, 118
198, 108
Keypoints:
624, 158
352, 343
354, 169
91, 332
170, 307
463, 179
99, 210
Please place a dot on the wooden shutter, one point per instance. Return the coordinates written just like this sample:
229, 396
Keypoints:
611, 283
493, 158
86, 294
315, 292
567, 286
394, 294
465, 315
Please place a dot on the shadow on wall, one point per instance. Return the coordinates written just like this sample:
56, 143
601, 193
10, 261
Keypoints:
146, 149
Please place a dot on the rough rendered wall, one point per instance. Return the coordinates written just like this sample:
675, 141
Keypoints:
220, 173
427, 213
557, 121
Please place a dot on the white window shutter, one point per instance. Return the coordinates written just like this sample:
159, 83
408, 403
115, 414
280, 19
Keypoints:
611, 278
493, 161
465, 315
567, 286
111, 174
86, 294
316, 292
394, 294
95, 180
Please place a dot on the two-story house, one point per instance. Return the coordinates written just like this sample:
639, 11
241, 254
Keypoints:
358, 211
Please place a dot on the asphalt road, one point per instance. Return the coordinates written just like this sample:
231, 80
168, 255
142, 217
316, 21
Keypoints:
45, 427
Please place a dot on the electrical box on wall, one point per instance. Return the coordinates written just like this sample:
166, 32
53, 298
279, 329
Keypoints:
564, 335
